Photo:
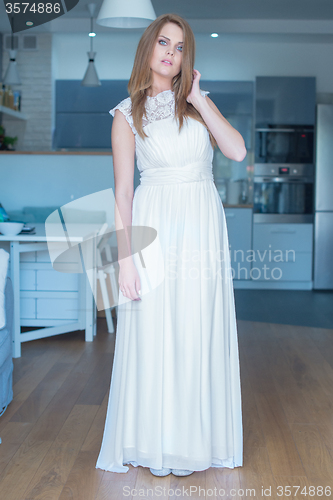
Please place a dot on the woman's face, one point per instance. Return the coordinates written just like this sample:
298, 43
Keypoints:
169, 45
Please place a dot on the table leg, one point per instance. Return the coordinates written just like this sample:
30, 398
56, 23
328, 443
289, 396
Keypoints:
89, 336
15, 277
91, 287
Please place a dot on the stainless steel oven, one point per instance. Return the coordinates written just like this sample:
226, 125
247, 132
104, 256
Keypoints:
282, 144
283, 193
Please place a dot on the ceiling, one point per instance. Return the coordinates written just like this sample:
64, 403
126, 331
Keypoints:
204, 17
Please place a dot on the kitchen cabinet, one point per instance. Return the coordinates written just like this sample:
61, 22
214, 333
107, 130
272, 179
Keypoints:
82, 113
46, 296
239, 225
79, 304
285, 100
282, 252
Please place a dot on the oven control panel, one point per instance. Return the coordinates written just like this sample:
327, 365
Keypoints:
275, 170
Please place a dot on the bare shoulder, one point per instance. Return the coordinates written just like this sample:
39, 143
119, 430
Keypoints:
120, 120
122, 135
121, 132
124, 114
123, 152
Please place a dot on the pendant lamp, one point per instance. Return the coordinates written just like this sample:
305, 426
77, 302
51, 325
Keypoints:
11, 76
91, 78
126, 13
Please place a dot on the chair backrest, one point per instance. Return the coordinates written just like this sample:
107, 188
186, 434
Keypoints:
103, 243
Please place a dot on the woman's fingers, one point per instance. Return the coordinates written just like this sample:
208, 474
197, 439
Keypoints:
133, 293
129, 283
130, 292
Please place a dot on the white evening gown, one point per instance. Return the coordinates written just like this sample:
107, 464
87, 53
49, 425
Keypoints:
175, 394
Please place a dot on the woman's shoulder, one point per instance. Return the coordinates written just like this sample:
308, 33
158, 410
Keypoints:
125, 106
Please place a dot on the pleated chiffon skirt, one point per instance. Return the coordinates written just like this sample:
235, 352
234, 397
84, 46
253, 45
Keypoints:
175, 394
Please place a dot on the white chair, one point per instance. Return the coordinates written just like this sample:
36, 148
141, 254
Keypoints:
105, 271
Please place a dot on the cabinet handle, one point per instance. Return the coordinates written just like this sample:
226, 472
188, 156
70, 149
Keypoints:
282, 231
276, 129
229, 215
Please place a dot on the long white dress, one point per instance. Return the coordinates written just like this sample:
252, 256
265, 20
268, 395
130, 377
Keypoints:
175, 394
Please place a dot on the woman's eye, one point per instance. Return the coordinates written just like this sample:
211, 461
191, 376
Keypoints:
180, 47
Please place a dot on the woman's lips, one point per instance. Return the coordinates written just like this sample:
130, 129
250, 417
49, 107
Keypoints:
168, 64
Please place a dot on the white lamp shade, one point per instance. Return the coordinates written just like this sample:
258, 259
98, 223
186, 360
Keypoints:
91, 78
12, 76
126, 13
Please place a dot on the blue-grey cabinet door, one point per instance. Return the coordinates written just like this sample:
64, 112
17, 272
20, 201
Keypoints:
285, 100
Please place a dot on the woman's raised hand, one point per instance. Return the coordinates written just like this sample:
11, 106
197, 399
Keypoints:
195, 89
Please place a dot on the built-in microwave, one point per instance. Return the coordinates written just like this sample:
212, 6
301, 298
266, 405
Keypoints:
284, 144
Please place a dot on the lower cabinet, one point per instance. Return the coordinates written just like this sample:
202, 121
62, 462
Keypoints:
268, 252
239, 225
282, 252
47, 297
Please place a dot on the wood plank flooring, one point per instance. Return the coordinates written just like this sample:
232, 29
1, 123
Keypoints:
52, 430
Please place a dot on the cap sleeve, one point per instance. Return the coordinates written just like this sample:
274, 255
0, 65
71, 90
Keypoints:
125, 106
204, 92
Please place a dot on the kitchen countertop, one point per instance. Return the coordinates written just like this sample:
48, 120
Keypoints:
78, 232
226, 205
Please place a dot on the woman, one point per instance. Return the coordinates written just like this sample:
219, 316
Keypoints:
175, 395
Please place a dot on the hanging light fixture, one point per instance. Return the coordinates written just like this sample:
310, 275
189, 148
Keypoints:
126, 14
91, 78
11, 76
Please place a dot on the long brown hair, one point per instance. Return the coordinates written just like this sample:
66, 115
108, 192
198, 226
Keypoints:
141, 78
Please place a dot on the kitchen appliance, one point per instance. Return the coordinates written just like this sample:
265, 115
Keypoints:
222, 189
283, 193
323, 223
233, 191
284, 144
244, 197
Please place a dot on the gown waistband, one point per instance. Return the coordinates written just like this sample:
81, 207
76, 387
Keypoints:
192, 172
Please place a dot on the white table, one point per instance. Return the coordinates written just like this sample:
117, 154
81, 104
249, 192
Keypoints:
87, 289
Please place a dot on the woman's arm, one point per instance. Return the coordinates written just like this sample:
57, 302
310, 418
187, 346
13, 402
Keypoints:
228, 139
123, 150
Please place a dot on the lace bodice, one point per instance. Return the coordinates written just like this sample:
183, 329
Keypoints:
158, 107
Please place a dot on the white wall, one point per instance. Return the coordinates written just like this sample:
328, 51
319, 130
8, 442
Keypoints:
36, 75
53, 179
228, 57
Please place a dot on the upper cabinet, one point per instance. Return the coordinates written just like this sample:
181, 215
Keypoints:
82, 113
235, 101
285, 100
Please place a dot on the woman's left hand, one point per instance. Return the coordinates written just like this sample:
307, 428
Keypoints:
195, 89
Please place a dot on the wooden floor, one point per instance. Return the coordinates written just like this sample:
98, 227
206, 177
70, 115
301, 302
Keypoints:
52, 430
